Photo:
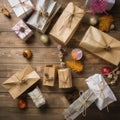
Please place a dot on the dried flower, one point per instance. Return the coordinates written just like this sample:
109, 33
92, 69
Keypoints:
98, 6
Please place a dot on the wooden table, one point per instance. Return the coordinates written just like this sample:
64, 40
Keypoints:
11, 60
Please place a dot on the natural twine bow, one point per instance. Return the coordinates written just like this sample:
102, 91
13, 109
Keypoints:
37, 97
84, 103
21, 81
106, 47
68, 20
101, 92
64, 80
24, 4
20, 29
43, 13
47, 77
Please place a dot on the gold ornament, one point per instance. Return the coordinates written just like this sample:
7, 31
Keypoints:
27, 53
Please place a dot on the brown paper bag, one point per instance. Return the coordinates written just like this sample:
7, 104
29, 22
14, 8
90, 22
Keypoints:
101, 45
67, 23
65, 78
49, 75
21, 81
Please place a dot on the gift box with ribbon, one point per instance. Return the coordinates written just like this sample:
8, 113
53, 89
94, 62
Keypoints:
22, 8
65, 78
101, 45
45, 11
80, 105
37, 97
49, 75
102, 91
67, 23
22, 30
21, 81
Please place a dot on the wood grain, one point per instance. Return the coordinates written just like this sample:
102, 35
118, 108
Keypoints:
12, 60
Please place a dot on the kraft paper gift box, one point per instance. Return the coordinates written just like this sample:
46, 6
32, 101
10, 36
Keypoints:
22, 8
37, 97
67, 23
21, 81
22, 30
80, 105
45, 11
65, 78
101, 45
103, 92
49, 75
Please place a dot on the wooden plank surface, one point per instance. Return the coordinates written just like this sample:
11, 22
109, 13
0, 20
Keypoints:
11, 60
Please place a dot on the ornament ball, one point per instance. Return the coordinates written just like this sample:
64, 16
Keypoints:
106, 70
93, 20
44, 39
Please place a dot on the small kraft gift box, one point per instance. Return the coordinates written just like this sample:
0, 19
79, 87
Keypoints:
100, 88
22, 8
22, 30
37, 97
80, 105
18, 83
67, 23
65, 78
45, 11
101, 45
49, 75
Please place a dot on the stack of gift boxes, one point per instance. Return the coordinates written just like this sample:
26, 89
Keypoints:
103, 46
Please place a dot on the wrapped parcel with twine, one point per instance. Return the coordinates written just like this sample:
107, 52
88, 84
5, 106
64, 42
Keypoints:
49, 75
80, 105
21, 81
37, 97
101, 45
102, 91
22, 8
65, 78
45, 11
67, 23
22, 30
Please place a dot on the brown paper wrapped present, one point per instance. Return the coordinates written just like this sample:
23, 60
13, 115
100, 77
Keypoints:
65, 78
21, 81
101, 45
67, 23
49, 75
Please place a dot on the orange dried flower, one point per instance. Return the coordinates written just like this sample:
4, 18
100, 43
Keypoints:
105, 22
